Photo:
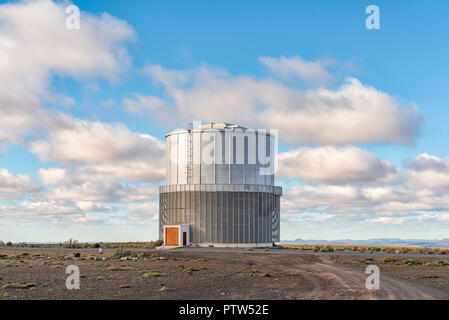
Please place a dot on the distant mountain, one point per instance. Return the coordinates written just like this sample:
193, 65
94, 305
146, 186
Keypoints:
392, 242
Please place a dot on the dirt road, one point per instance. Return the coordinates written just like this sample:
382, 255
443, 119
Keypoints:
323, 279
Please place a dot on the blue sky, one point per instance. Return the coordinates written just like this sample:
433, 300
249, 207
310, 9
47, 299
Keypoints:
404, 62
406, 58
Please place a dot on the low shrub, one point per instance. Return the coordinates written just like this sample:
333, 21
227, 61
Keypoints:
389, 260
120, 253
410, 262
326, 249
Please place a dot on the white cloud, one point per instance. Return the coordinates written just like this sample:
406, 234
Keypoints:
35, 44
428, 178
152, 208
297, 198
101, 150
425, 161
311, 72
87, 142
428, 171
363, 201
101, 160
49, 209
150, 170
111, 191
143, 104
50, 214
320, 218
143, 213
81, 202
335, 165
387, 220
97, 159
13, 185
103, 164
352, 113
440, 218
84, 192
54, 176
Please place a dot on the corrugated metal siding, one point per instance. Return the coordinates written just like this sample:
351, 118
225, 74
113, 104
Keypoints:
223, 217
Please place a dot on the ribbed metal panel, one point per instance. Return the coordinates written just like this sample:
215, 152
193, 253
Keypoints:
217, 187
223, 217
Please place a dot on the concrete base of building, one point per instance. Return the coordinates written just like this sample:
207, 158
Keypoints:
233, 245
170, 247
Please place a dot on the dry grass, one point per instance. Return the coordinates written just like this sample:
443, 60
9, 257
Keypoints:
371, 249
123, 268
188, 271
153, 273
16, 285
72, 243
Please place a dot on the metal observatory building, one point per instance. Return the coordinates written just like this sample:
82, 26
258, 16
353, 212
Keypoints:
220, 187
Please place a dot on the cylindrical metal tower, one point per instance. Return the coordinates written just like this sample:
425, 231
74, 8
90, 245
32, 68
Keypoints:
220, 183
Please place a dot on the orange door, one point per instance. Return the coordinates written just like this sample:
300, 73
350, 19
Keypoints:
171, 236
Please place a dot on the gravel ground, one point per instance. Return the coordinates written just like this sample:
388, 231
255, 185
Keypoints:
217, 274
